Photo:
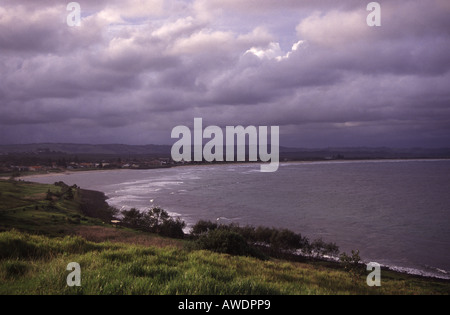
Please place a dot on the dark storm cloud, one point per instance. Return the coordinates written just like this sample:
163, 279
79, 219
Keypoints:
135, 69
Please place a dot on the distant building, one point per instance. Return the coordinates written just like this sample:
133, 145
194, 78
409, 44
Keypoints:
87, 165
35, 168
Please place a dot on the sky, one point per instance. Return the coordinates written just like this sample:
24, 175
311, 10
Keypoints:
135, 69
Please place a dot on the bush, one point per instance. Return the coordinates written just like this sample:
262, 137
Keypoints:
287, 240
69, 194
203, 227
133, 218
49, 196
155, 220
264, 234
227, 242
321, 248
276, 242
352, 264
172, 228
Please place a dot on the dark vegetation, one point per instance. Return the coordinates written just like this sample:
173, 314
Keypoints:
261, 241
352, 264
59, 151
42, 227
154, 220
44, 209
227, 242
93, 204
52, 210
54, 157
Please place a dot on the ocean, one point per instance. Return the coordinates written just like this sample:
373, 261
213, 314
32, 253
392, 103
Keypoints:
395, 212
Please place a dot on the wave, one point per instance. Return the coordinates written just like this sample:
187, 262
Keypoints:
215, 194
295, 163
434, 272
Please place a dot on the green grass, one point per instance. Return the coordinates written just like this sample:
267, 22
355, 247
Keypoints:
37, 243
24, 206
31, 264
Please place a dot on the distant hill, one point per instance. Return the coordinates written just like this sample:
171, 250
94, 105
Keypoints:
364, 153
164, 150
71, 148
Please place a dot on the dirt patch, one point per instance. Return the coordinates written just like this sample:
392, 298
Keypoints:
36, 197
100, 234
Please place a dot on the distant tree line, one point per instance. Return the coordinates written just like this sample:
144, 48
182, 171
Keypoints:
154, 220
261, 240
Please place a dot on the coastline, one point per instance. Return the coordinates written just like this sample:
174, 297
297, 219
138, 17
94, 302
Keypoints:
400, 269
66, 173
234, 163
96, 206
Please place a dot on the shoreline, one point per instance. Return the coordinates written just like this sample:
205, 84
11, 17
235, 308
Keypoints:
400, 269
71, 172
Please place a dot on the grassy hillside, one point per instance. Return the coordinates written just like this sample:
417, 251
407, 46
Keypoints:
37, 265
41, 237
26, 207
44, 209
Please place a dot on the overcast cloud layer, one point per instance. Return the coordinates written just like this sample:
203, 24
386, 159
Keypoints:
135, 69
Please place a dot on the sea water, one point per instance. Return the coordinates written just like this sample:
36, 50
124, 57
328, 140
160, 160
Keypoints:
396, 212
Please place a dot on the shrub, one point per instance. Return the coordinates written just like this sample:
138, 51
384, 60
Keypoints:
352, 264
155, 220
321, 248
287, 240
172, 228
69, 194
203, 227
49, 196
275, 242
248, 232
264, 234
227, 242
133, 218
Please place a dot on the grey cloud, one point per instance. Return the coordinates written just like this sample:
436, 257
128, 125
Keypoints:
132, 81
